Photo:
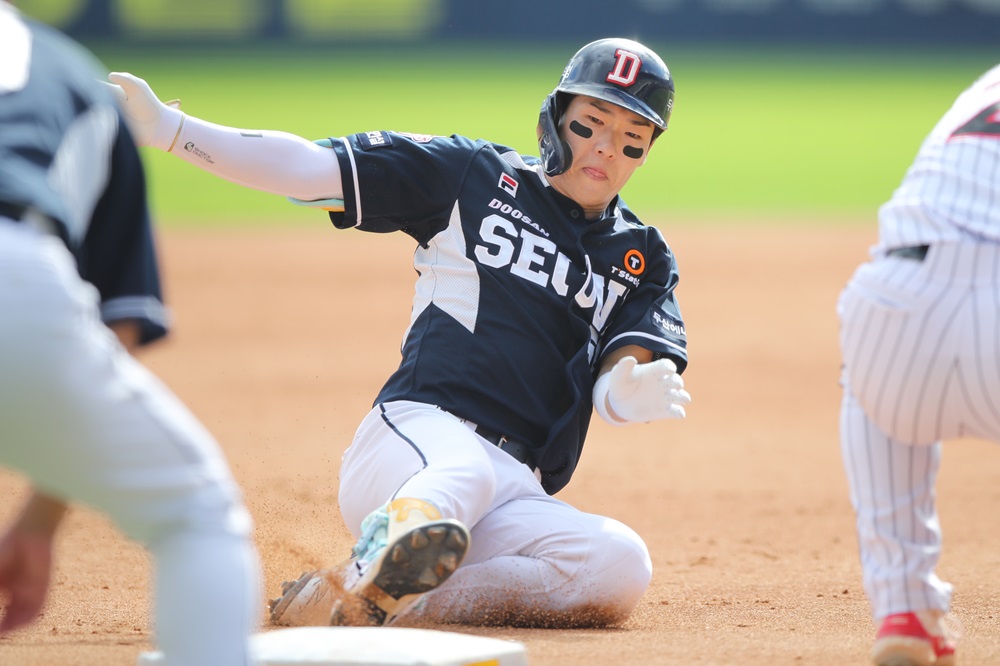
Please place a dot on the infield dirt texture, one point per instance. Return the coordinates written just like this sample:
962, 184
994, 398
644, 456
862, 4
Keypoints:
282, 338
285, 329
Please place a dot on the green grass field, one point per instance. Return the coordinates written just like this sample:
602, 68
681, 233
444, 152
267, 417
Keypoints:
755, 133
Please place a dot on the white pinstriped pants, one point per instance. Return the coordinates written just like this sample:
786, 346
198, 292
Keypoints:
920, 342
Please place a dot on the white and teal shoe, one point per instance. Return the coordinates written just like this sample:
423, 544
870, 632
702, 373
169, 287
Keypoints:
406, 550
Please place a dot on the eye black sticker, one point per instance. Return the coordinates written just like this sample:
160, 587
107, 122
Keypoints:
633, 152
580, 130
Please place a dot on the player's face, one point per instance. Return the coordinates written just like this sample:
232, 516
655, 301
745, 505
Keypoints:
609, 143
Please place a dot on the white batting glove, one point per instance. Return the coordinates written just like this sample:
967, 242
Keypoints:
151, 122
640, 392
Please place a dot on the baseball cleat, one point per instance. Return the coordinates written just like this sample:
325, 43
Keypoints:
307, 601
407, 550
914, 639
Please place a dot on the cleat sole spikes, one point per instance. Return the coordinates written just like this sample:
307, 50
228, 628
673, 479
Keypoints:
419, 540
418, 562
457, 540
446, 565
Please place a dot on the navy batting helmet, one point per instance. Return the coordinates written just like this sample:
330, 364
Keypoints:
620, 71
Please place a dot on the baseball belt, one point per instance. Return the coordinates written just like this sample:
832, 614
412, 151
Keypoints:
518, 450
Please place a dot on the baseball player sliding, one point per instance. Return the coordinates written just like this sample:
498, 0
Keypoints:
920, 325
540, 296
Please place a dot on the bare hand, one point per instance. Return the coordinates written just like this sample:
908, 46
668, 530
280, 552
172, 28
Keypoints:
25, 573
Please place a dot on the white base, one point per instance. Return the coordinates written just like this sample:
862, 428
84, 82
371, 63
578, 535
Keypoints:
374, 646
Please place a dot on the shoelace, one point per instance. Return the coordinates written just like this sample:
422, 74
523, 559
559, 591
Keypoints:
374, 533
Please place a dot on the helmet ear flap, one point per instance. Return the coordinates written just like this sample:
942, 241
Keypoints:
555, 153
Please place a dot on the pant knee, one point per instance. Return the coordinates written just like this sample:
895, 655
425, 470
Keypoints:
622, 573
633, 570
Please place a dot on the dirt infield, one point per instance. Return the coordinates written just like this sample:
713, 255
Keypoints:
282, 338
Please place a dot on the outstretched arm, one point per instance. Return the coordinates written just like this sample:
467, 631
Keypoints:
270, 161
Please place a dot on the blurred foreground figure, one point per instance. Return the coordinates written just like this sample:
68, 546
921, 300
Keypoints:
920, 339
79, 416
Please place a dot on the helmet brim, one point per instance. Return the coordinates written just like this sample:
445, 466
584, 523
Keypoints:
616, 97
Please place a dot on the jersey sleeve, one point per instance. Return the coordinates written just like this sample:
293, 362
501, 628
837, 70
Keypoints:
117, 255
394, 181
651, 317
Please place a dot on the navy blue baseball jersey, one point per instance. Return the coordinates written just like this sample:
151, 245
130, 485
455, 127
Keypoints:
518, 296
71, 161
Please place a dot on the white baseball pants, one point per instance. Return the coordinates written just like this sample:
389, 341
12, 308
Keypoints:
533, 559
921, 347
86, 422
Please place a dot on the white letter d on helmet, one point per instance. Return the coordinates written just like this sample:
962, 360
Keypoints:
627, 65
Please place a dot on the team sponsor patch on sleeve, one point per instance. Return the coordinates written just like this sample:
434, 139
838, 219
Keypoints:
370, 140
669, 325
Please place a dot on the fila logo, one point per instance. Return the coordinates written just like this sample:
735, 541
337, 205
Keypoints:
508, 184
627, 66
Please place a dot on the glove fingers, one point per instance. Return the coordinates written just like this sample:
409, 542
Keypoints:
648, 391
132, 85
673, 381
123, 78
668, 365
117, 91
621, 374
625, 365
680, 397
122, 81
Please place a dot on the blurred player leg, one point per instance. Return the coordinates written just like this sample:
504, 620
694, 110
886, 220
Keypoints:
98, 428
919, 342
922, 364
899, 536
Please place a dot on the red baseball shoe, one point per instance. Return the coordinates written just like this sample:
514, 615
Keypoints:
914, 639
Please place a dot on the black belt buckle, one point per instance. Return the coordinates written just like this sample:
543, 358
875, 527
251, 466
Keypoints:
520, 451
916, 252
